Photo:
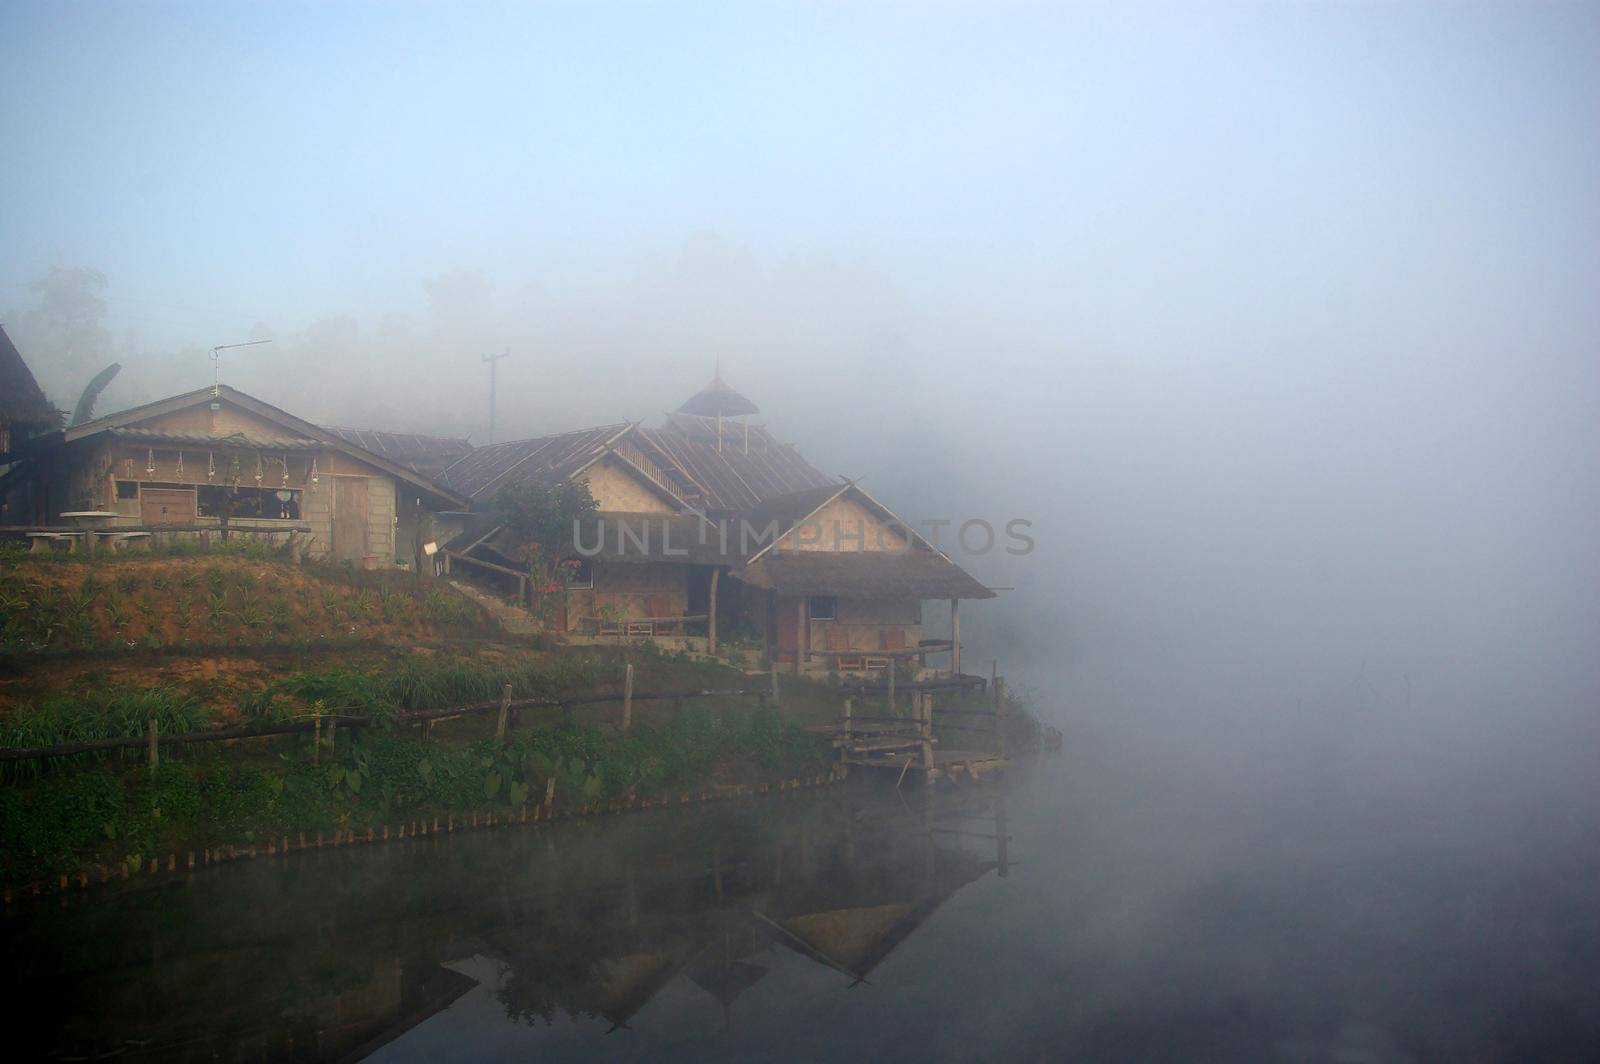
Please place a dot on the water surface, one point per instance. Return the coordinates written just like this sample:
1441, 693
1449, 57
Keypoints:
1096, 904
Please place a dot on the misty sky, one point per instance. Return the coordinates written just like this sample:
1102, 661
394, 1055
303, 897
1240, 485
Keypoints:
1280, 322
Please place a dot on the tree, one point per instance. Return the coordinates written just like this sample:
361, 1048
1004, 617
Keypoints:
66, 328
540, 523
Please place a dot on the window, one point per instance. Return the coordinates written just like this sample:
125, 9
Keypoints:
581, 577
270, 503
127, 489
824, 608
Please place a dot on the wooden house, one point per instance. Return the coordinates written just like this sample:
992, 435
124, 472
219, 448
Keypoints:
24, 414
708, 525
217, 455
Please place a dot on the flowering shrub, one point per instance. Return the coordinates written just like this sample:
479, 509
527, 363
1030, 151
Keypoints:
542, 521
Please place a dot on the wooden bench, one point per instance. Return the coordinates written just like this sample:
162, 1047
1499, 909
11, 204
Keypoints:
839, 648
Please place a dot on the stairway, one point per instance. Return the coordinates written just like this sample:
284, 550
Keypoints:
514, 620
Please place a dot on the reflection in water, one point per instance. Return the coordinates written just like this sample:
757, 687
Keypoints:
339, 953
1127, 901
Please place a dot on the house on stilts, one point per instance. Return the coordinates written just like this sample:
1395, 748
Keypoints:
713, 535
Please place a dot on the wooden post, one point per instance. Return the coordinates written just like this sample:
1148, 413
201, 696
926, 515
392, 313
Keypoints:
894, 667
446, 563
627, 698
522, 592
711, 614
774, 685
925, 711
505, 708
155, 749
801, 642
849, 707
1000, 716
1001, 845
955, 637
316, 740
333, 734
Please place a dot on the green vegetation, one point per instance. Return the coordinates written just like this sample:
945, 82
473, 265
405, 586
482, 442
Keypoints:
102, 714
77, 820
539, 521
231, 597
14, 552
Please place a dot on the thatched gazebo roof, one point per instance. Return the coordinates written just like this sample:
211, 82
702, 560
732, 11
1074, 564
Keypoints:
718, 400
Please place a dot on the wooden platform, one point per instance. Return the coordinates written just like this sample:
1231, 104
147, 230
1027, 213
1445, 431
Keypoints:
946, 763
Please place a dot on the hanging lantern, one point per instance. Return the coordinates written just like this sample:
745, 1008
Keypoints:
211, 465
150, 462
286, 471
180, 465
314, 478
258, 469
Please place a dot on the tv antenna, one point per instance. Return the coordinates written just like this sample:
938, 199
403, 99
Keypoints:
216, 362
492, 359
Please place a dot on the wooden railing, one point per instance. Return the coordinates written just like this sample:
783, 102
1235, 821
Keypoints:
648, 466
326, 722
893, 741
119, 536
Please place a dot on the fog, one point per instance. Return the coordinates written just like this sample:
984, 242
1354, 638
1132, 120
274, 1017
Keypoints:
1278, 323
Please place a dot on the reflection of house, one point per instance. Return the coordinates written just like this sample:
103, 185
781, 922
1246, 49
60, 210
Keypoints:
822, 574
216, 455
636, 922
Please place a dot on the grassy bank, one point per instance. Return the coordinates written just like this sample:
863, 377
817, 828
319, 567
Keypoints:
103, 809
96, 649
60, 604
99, 816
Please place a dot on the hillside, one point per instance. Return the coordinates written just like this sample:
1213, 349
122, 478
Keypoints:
50, 606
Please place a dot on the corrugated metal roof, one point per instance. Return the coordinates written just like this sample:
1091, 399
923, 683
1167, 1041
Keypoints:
737, 476
545, 460
22, 402
237, 439
426, 454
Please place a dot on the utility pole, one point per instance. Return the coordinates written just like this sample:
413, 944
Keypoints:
492, 359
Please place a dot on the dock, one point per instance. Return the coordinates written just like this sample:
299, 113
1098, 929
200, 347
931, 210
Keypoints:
894, 743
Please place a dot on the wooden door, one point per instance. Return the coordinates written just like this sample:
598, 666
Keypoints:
349, 519
166, 506
788, 626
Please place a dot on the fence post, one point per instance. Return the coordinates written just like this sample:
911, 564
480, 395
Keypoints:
924, 710
505, 708
1000, 716
627, 698
155, 750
